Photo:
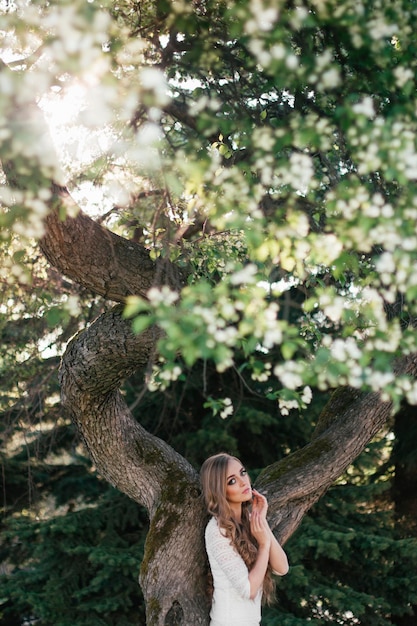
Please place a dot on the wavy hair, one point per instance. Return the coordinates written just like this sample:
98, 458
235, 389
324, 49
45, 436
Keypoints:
213, 476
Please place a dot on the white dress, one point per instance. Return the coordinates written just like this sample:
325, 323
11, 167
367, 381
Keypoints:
231, 605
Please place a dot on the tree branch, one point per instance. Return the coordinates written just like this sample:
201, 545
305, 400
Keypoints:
94, 364
117, 267
295, 483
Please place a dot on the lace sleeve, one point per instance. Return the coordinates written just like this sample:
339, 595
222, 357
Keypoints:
228, 560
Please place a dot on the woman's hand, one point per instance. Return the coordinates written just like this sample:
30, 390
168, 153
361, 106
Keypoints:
259, 504
277, 557
260, 529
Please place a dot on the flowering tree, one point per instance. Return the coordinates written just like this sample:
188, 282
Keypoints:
252, 168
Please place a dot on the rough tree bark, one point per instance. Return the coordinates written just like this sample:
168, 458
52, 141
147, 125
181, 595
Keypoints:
140, 465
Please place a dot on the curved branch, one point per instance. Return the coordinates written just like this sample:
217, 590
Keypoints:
78, 247
117, 267
294, 484
94, 364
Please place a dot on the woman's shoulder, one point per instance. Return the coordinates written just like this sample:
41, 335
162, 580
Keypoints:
212, 525
213, 529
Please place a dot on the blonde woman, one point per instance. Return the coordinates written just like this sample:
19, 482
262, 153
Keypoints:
241, 548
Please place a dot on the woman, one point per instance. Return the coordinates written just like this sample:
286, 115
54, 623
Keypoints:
241, 547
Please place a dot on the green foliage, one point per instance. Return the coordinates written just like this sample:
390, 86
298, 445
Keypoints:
278, 137
78, 568
304, 163
351, 566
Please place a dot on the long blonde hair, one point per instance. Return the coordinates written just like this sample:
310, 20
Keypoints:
213, 476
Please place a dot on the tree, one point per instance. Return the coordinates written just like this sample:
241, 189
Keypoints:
284, 177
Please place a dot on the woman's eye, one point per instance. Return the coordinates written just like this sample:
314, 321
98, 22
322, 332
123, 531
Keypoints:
243, 472
232, 481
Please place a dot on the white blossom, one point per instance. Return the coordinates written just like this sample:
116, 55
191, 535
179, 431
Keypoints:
163, 295
302, 171
385, 265
152, 79
261, 376
225, 364
379, 29
379, 380
263, 17
402, 75
291, 61
228, 408
72, 305
345, 349
300, 14
272, 337
330, 78
245, 275
391, 342
365, 107
226, 336
278, 51
263, 56
328, 247
285, 406
307, 395
198, 105
170, 374
323, 60
290, 374
332, 306
263, 138
338, 351
411, 394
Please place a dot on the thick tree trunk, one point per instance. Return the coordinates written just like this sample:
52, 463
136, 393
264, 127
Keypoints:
173, 572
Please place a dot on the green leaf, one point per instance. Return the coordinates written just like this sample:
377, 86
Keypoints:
140, 323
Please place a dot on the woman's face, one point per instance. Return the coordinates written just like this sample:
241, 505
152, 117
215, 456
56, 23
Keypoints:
238, 487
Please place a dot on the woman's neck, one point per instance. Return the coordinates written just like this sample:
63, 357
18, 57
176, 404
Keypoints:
236, 512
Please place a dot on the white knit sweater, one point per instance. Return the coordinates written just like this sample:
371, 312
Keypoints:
231, 604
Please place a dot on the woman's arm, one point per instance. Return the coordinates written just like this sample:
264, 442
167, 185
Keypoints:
260, 530
277, 557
